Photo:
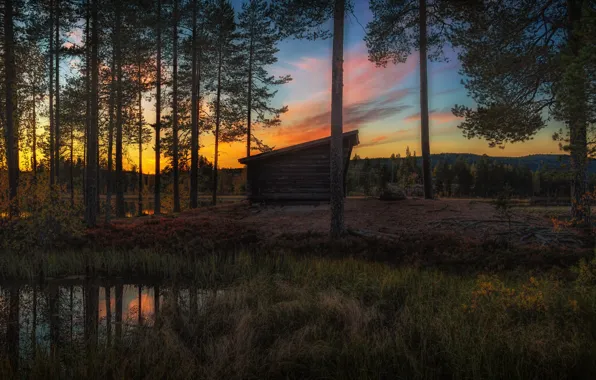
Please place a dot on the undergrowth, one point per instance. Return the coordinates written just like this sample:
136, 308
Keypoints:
307, 318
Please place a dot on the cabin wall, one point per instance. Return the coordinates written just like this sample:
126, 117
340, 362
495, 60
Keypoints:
296, 176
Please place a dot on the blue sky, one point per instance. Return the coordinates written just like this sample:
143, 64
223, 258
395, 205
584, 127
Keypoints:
382, 103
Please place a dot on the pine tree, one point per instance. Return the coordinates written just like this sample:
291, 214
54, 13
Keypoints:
120, 210
92, 138
157, 194
257, 44
221, 29
194, 160
520, 65
306, 19
57, 45
175, 159
398, 28
10, 127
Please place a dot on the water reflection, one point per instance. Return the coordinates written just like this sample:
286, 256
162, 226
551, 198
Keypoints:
70, 318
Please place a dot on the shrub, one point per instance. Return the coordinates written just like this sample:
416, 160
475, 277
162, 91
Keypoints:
44, 220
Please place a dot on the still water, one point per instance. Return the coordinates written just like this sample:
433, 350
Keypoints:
63, 315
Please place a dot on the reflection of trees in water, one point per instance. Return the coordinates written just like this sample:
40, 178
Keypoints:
66, 321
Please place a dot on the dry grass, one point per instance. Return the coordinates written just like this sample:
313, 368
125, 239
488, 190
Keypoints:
321, 318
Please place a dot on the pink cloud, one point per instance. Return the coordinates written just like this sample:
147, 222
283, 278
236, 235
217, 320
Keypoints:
370, 94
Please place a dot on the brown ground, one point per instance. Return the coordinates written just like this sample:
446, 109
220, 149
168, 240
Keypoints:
469, 218
458, 234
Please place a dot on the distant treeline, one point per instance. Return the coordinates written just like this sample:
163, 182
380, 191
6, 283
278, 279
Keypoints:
230, 181
465, 175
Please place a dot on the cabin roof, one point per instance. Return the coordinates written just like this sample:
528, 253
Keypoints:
352, 136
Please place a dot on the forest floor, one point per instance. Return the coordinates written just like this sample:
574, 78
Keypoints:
461, 234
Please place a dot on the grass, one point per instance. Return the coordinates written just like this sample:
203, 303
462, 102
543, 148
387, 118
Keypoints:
307, 318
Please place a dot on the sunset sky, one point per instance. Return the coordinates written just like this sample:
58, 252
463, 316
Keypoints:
382, 103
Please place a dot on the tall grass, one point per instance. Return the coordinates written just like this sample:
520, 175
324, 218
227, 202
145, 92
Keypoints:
283, 317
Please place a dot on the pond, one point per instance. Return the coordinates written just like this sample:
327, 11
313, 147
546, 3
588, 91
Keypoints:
62, 318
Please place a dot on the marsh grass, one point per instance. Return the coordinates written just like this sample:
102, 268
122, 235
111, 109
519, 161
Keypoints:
307, 318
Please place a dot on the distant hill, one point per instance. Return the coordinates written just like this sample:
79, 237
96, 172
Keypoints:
533, 162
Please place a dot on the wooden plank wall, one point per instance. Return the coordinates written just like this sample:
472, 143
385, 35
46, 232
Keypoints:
297, 176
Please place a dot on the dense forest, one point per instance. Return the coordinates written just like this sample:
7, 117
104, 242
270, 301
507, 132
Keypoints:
466, 175
78, 75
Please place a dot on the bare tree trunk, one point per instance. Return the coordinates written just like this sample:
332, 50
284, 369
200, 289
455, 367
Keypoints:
194, 134
120, 211
72, 195
140, 99
11, 128
92, 148
249, 98
336, 154
34, 134
157, 190
217, 121
110, 179
426, 172
580, 206
175, 111
87, 96
51, 91
57, 114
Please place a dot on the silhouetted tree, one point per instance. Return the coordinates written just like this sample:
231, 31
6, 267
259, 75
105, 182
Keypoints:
525, 59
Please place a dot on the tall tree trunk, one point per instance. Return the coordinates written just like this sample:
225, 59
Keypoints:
336, 153
92, 148
217, 121
72, 196
425, 135
194, 134
110, 179
157, 190
34, 133
11, 129
97, 171
580, 206
87, 96
120, 211
57, 113
175, 111
140, 99
249, 98
51, 91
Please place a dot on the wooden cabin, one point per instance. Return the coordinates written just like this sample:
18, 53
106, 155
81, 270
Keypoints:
298, 173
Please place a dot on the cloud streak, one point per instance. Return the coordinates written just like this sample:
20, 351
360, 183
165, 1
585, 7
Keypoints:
371, 94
